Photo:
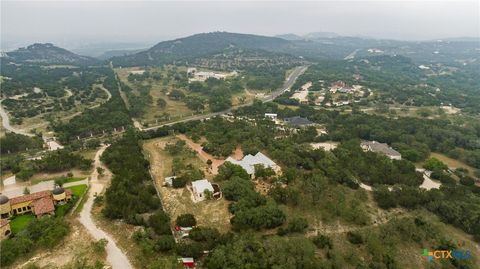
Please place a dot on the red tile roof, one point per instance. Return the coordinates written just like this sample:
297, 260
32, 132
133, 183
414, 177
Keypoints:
68, 192
43, 206
29, 197
4, 222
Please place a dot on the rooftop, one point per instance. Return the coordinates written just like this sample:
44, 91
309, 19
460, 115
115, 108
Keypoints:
43, 206
298, 121
202, 185
29, 197
248, 162
380, 148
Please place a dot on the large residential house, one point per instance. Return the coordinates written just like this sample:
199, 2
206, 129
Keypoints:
298, 122
39, 203
199, 187
381, 148
248, 163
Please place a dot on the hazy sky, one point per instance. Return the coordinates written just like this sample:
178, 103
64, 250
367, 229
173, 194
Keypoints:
73, 23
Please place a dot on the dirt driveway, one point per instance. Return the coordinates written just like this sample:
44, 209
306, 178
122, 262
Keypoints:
202, 154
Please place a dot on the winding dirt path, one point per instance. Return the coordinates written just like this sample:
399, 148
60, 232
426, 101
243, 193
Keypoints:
6, 122
115, 256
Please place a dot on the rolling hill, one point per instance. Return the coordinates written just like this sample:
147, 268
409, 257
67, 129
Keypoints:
202, 45
47, 53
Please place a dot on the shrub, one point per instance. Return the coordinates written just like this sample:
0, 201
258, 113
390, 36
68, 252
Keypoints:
186, 220
160, 223
99, 246
467, 181
297, 225
193, 249
165, 243
354, 238
179, 182
322, 241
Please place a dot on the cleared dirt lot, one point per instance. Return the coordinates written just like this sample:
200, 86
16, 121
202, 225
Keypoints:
178, 201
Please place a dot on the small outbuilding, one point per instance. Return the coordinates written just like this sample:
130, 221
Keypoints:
188, 262
199, 187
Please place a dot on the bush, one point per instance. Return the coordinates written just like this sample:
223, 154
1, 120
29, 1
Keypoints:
186, 220
179, 182
165, 243
467, 181
160, 223
193, 249
263, 217
384, 198
354, 238
322, 241
99, 246
433, 164
236, 188
297, 225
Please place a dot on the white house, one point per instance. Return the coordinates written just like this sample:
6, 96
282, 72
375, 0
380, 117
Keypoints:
272, 116
248, 162
199, 187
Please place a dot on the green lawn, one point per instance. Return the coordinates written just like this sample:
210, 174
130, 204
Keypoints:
78, 190
73, 179
19, 222
61, 210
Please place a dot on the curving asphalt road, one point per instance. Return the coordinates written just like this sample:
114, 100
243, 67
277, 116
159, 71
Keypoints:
274, 94
115, 256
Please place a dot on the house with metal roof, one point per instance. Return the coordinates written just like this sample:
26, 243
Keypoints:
249, 161
381, 148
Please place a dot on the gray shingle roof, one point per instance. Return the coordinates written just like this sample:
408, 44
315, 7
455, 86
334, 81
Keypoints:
380, 148
298, 121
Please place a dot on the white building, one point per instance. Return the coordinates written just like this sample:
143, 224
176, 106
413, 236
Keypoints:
248, 162
199, 187
272, 116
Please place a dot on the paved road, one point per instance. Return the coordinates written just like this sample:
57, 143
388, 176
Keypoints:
115, 256
286, 85
6, 122
14, 190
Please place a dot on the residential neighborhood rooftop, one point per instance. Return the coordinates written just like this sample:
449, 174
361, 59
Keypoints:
380, 148
298, 121
249, 161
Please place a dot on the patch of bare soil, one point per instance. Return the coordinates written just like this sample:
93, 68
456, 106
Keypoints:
202, 154
238, 153
262, 186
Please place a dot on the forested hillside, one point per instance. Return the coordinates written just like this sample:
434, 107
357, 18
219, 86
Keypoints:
47, 54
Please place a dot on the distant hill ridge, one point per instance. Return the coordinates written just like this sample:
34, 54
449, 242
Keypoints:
199, 45
47, 53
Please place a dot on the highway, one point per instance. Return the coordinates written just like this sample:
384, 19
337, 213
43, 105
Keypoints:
298, 71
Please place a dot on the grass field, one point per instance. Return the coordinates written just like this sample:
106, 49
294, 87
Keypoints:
452, 163
19, 222
78, 191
